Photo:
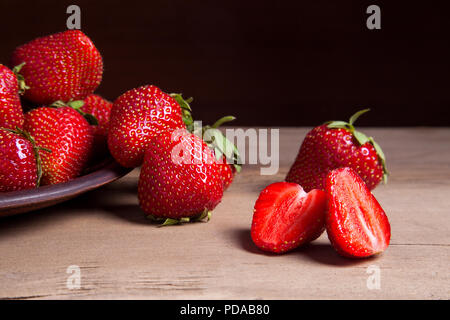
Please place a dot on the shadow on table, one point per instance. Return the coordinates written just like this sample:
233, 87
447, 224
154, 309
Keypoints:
129, 212
319, 252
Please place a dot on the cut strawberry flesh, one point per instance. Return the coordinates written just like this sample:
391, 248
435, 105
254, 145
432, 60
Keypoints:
285, 216
356, 223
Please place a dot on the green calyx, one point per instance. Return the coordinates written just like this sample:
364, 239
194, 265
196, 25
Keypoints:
205, 216
20, 79
361, 137
36, 150
185, 110
216, 141
77, 105
212, 136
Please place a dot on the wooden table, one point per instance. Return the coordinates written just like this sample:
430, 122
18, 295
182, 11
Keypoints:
121, 255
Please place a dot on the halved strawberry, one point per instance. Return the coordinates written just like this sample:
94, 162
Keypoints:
285, 217
356, 223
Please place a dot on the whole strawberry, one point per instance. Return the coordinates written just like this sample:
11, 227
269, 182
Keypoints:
136, 117
19, 161
334, 145
11, 114
63, 66
100, 108
180, 178
67, 134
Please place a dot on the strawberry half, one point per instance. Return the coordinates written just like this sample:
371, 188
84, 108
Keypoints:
179, 179
285, 217
61, 66
11, 85
356, 223
334, 145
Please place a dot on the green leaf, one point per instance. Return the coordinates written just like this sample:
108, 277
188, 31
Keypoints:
77, 104
238, 167
169, 222
361, 137
205, 214
223, 120
184, 104
382, 158
16, 69
92, 120
378, 149
354, 117
337, 125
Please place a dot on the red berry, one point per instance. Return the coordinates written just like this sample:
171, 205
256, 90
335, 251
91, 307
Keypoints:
227, 173
335, 145
356, 224
136, 117
67, 134
18, 163
100, 108
63, 66
11, 114
285, 217
179, 177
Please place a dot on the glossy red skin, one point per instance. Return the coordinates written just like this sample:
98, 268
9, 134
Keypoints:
168, 189
325, 149
285, 217
11, 114
227, 173
67, 134
100, 108
18, 170
349, 203
63, 66
136, 117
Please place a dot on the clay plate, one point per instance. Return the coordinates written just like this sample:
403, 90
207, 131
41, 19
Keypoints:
12, 203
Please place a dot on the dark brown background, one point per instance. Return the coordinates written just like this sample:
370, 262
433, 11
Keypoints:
270, 63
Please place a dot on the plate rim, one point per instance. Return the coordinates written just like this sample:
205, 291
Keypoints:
53, 194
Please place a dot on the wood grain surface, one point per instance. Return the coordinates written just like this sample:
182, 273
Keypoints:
122, 255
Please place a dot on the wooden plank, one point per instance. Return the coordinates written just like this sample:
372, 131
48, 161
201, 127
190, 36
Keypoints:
122, 255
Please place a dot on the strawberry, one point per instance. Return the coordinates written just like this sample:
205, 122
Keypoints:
11, 85
227, 173
333, 145
226, 153
136, 117
356, 223
62, 66
179, 179
20, 167
100, 108
67, 134
285, 217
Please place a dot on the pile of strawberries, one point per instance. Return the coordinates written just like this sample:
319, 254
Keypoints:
53, 126
327, 188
